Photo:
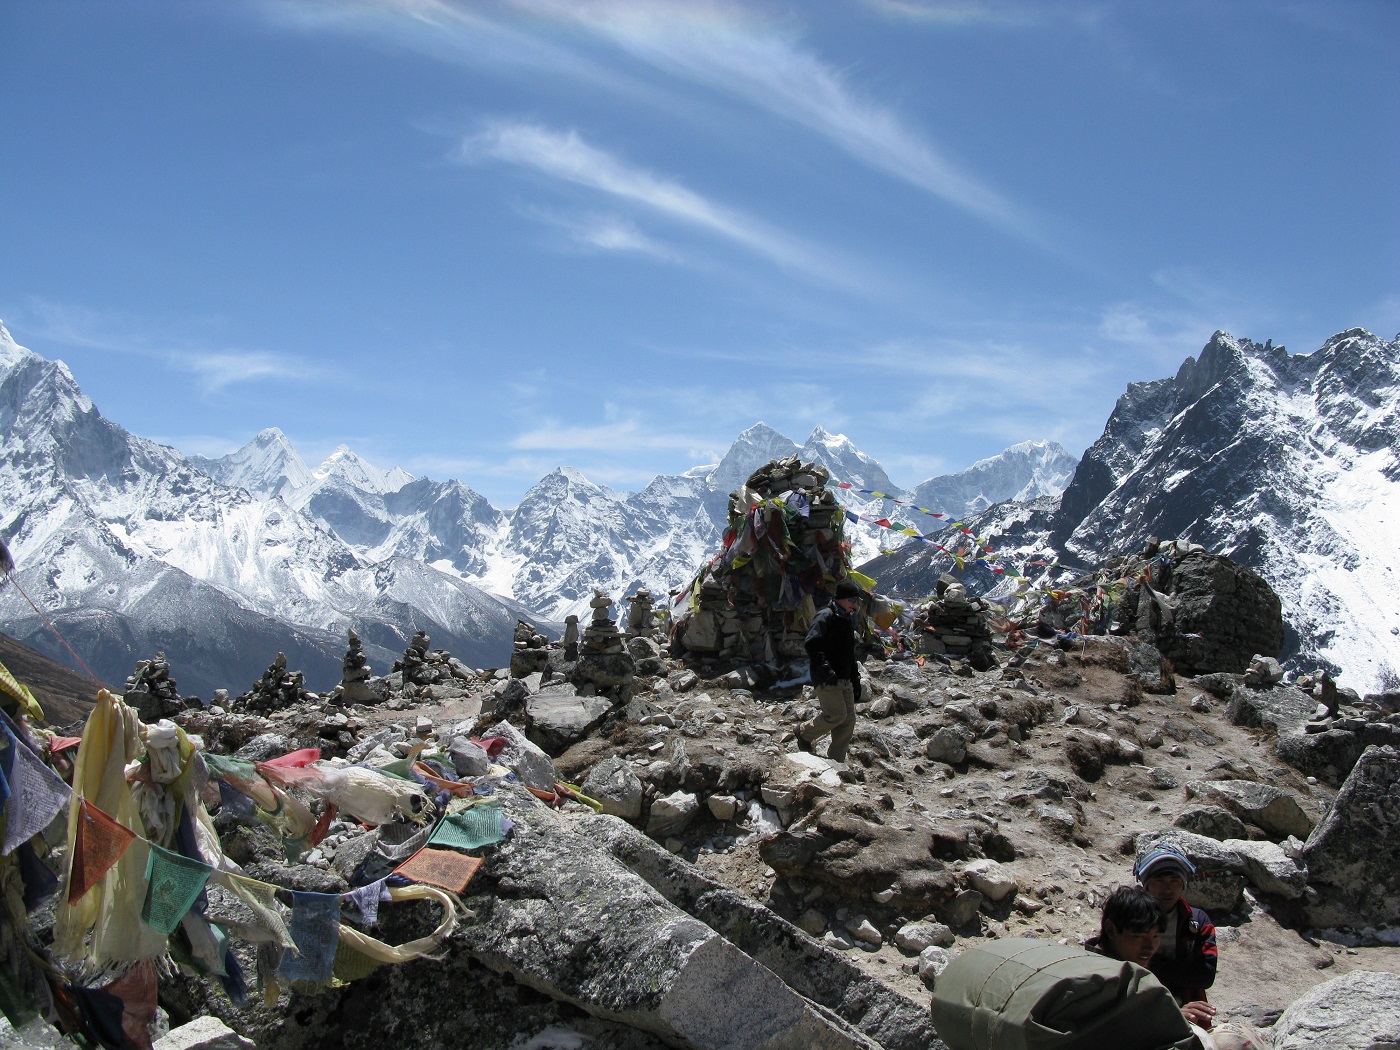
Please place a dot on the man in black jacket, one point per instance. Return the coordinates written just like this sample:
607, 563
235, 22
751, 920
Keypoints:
831, 647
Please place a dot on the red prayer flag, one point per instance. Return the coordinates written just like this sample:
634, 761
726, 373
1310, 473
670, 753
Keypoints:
98, 844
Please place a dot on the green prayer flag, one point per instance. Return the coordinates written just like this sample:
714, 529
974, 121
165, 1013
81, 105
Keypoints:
174, 884
478, 826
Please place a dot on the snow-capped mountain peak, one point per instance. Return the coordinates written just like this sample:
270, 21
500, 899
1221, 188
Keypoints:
344, 465
11, 353
266, 466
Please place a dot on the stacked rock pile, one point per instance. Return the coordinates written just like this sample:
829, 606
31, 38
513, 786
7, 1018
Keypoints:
355, 675
427, 674
639, 618
276, 689
529, 651
956, 626
151, 690
751, 605
604, 666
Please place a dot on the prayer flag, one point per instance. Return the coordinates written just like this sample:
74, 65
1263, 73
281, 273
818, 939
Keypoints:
477, 827
366, 900
261, 900
99, 842
315, 928
37, 793
174, 884
304, 757
443, 868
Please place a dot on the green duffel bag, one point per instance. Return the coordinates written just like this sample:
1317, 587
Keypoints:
1019, 994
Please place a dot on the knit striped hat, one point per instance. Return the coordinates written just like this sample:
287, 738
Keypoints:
1160, 859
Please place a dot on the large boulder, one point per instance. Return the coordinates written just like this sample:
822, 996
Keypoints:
1350, 855
1357, 1011
849, 854
1331, 755
1222, 615
557, 716
562, 916
521, 754
820, 973
613, 783
1281, 708
1272, 810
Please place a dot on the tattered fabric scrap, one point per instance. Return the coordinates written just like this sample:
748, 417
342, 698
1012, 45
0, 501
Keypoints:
98, 843
472, 829
37, 793
444, 868
261, 900
315, 928
119, 1016
366, 901
174, 884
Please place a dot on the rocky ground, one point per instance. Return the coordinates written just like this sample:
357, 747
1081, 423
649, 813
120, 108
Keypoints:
973, 805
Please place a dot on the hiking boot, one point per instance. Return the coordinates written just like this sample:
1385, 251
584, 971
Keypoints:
804, 745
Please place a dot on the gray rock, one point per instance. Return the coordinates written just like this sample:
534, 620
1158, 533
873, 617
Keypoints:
1263, 670
990, 879
912, 938
1270, 809
963, 908
949, 745
557, 717
468, 759
531, 764
1357, 1011
933, 960
821, 974
1271, 870
1350, 855
642, 961
672, 814
1146, 662
613, 783
1281, 708
203, 1033
1330, 756
1213, 822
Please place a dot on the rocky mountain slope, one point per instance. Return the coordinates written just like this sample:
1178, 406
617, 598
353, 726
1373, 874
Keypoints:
1289, 464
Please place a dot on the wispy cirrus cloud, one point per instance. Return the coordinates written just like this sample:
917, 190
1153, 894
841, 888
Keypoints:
734, 49
564, 155
213, 369
727, 48
600, 232
958, 12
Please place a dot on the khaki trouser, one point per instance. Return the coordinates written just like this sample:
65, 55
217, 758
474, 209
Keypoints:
838, 717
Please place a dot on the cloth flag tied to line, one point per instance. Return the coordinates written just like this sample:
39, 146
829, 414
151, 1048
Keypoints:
174, 885
36, 793
315, 927
477, 827
98, 844
447, 869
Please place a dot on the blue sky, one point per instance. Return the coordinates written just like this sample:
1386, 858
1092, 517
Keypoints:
482, 240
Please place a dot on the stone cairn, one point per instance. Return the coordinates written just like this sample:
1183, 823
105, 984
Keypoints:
355, 674
424, 673
151, 690
529, 652
752, 603
276, 689
604, 665
639, 620
955, 626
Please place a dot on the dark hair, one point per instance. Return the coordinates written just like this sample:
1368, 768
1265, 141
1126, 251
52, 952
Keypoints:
1131, 909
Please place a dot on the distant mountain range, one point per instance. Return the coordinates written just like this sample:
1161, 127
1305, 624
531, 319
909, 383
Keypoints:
1290, 464
131, 547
